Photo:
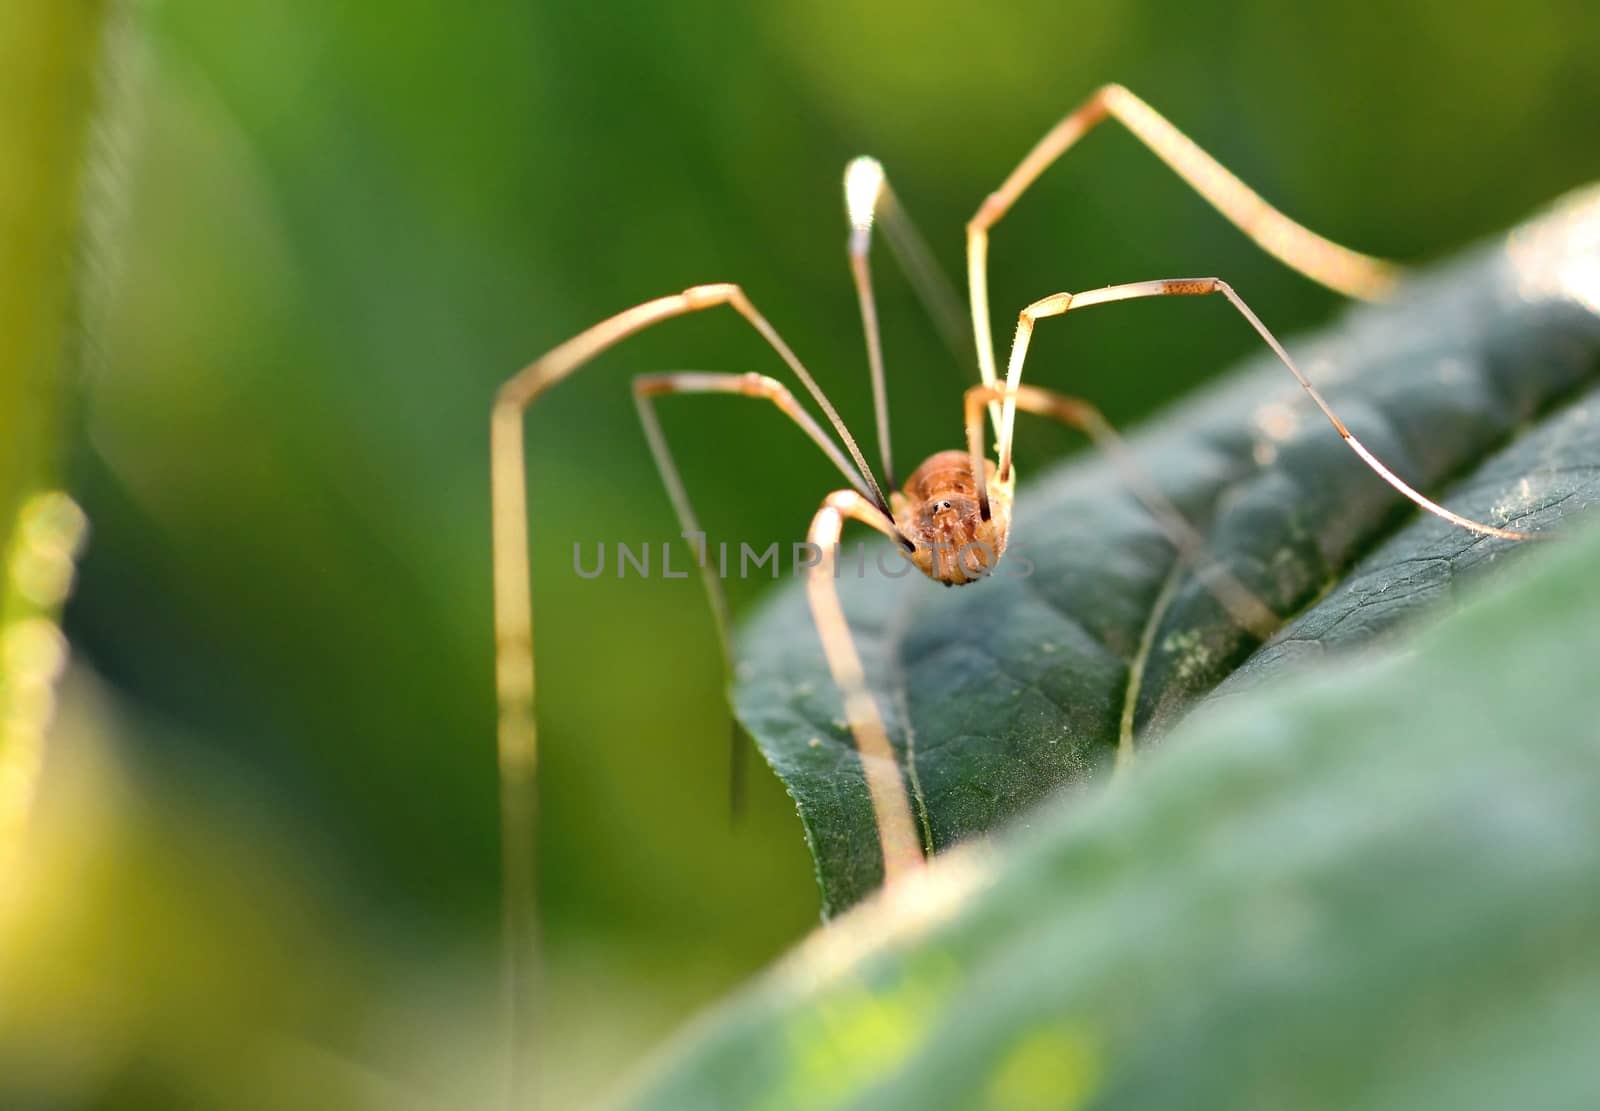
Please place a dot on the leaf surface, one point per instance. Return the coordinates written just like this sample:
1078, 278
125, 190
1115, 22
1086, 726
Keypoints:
1370, 885
1476, 383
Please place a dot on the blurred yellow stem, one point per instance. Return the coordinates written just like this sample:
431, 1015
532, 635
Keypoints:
50, 62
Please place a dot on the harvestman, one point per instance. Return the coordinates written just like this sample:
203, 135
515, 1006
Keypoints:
950, 522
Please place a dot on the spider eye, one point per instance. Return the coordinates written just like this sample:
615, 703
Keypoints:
941, 507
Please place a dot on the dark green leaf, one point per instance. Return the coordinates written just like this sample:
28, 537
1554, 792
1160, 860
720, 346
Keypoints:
1372, 886
1473, 383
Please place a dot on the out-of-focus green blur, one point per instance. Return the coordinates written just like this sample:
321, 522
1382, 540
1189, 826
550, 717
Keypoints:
325, 232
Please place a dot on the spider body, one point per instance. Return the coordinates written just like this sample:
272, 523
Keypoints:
939, 511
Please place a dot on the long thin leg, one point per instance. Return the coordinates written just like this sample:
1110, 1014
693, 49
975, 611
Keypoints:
1320, 259
931, 284
648, 387
1061, 303
902, 849
863, 185
897, 833
868, 201
1245, 607
513, 616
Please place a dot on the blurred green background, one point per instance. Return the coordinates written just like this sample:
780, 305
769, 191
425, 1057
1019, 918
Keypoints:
328, 230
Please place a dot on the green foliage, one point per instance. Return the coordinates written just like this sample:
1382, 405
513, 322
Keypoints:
1475, 382
340, 226
50, 56
1371, 885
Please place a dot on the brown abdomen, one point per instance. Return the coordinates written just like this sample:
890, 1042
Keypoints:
944, 474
